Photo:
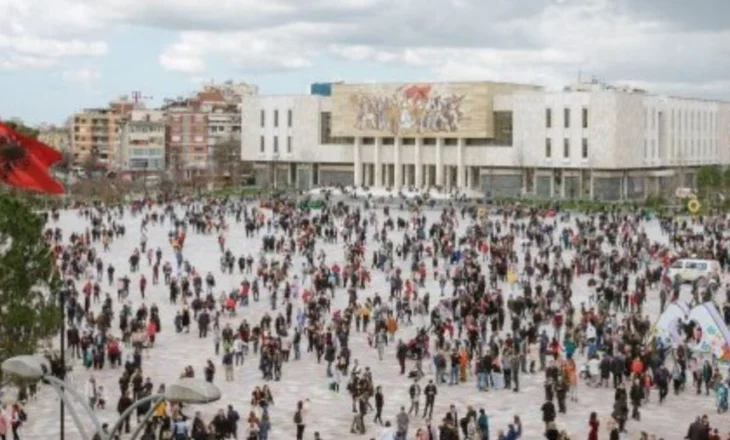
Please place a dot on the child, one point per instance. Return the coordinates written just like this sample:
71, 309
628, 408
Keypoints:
100, 398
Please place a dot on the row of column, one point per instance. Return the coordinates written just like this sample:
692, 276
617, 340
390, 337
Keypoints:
462, 180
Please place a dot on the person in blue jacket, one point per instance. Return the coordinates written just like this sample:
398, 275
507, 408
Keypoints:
483, 424
514, 431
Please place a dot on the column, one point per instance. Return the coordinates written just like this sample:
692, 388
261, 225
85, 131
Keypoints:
460, 180
358, 162
468, 177
377, 167
439, 164
419, 163
397, 168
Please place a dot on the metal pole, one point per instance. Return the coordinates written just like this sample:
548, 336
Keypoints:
128, 412
59, 386
138, 430
62, 409
74, 415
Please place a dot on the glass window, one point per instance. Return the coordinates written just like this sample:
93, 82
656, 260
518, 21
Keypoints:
566, 148
584, 117
548, 147
566, 118
548, 118
262, 146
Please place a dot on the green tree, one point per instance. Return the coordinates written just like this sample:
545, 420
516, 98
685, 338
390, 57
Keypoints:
709, 180
29, 312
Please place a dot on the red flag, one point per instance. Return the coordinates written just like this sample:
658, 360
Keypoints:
24, 162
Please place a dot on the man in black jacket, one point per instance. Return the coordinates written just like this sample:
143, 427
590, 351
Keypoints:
430, 392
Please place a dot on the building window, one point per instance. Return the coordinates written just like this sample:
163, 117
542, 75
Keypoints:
584, 149
584, 117
175, 138
198, 138
288, 144
289, 118
503, 128
548, 118
263, 118
548, 147
566, 148
276, 118
325, 128
262, 146
325, 132
276, 144
566, 118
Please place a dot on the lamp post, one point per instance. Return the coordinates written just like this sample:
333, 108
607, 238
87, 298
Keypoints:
62, 409
186, 390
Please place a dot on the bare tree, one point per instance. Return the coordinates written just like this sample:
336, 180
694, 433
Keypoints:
227, 162
91, 165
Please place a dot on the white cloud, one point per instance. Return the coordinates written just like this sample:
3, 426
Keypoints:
665, 45
44, 34
86, 76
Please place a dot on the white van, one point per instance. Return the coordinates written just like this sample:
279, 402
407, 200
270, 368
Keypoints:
689, 270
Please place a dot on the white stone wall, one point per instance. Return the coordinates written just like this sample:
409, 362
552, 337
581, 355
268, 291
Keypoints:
625, 130
304, 130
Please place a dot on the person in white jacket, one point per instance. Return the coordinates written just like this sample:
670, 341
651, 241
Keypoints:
387, 433
90, 392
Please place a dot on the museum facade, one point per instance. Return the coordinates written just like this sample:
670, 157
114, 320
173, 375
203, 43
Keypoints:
589, 141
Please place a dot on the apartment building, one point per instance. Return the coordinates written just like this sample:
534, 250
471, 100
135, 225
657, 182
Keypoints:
197, 124
58, 137
97, 132
224, 121
143, 141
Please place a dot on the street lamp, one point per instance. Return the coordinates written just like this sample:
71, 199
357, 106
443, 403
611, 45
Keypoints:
185, 390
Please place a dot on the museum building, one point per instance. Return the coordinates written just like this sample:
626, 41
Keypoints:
588, 141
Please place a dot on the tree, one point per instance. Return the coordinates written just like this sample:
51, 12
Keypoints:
91, 165
29, 313
227, 161
67, 162
709, 180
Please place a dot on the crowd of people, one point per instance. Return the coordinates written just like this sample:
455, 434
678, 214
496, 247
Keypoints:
463, 304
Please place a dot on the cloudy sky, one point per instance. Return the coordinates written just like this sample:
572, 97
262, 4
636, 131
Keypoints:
57, 56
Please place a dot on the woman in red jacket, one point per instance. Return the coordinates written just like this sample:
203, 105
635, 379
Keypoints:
593, 424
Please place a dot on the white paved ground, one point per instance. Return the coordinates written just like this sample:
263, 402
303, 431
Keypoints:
305, 379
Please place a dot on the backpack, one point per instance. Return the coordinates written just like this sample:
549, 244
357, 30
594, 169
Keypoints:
298, 417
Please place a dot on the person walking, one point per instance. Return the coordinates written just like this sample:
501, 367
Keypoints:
300, 419
430, 392
379, 402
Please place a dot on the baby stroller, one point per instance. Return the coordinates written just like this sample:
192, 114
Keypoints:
721, 393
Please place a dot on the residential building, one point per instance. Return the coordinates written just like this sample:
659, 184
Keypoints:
197, 124
58, 137
143, 141
224, 121
590, 140
97, 132
186, 152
